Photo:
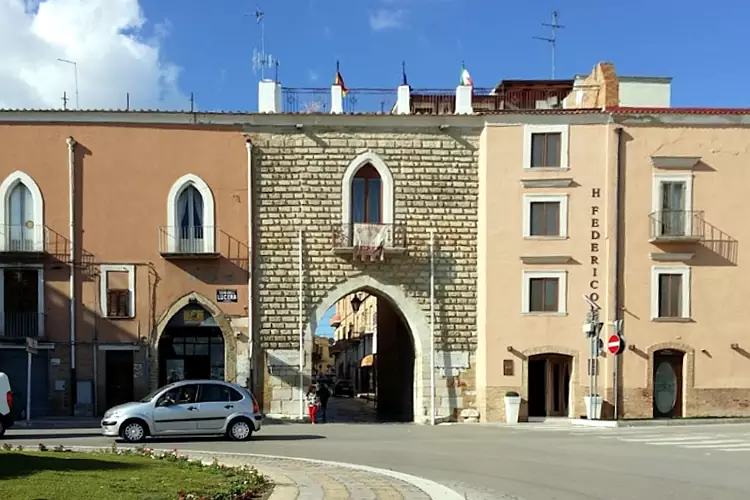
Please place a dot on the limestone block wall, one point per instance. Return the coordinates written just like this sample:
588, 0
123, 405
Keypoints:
297, 180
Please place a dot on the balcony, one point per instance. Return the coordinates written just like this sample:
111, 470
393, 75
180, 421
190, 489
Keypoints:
676, 226
21, 241
369, 242
19, 325
176, 242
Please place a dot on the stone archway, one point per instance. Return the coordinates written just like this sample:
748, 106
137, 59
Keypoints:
230, 343
412, 315
574, 406
688, 374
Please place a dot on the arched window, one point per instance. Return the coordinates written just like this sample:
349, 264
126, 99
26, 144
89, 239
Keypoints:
22, 214
367, 196
190, 217
20, 220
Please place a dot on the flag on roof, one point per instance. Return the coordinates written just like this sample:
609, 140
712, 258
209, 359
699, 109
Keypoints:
340, 80
465, 77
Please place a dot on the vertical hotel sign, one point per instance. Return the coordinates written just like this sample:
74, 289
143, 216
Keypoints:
594, 248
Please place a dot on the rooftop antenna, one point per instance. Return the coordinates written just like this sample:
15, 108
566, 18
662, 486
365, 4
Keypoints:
65, 101
553, 39
261, 60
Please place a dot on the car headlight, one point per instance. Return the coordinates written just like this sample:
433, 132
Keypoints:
112, 414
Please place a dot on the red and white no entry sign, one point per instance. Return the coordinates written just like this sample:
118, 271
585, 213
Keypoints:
614, 344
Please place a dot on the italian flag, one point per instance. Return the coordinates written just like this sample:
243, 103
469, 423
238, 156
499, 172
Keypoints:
465, 77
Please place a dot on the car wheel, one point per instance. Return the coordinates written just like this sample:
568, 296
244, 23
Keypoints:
133, 431
240, 429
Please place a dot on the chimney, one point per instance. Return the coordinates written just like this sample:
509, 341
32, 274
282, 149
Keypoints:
269, 96
463, 100
403, 102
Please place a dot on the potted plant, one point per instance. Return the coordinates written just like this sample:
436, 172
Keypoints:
593, 406
512, 407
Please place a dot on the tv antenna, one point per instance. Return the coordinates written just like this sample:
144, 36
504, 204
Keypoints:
261, 60
553, 39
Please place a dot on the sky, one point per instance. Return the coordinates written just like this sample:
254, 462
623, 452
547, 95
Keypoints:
162, 51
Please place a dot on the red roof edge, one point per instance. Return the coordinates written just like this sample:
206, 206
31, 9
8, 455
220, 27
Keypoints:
625, 110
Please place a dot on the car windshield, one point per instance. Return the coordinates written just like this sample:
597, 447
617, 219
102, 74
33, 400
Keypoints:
153, 394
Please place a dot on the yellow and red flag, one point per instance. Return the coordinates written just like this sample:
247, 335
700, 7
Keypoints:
340, 80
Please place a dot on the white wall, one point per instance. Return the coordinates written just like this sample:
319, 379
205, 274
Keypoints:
654, 93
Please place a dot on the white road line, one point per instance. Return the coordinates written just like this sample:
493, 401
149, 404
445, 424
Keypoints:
634, 435
677, 439
735, 449
724, 443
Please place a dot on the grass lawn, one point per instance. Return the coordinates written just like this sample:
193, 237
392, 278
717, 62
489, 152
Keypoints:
26, 475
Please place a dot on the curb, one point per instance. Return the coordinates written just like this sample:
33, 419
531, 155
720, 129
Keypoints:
435, 491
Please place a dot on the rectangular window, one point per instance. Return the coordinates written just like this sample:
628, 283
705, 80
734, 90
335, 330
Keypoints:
545, 215
672, 206
545, 218
118, 303
117, 290
546, 150
544, 292
670, 295
670, 292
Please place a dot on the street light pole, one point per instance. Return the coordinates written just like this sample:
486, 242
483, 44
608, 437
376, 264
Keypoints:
75, 72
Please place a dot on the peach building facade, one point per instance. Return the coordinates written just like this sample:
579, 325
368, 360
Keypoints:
637, 210
158, 245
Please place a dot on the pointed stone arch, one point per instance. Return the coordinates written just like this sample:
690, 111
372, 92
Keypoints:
209, 209
6, 188
230, 342
386, 178
411, 313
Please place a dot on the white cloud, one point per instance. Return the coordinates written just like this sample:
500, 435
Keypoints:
105, 38
384, 19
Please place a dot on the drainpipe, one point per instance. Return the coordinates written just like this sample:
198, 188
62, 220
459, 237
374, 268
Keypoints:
301, 336
619, 256
250, 267
71, 207
432, 327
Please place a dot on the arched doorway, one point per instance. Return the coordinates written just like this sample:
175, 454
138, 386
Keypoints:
191, 347
667, 383
399, 331
549, 385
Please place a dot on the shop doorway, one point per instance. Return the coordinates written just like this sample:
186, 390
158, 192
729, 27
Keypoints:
667, 383
549, 385
191, 347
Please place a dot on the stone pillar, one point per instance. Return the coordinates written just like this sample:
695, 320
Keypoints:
269, 96
463, 100
403, 103
337, 99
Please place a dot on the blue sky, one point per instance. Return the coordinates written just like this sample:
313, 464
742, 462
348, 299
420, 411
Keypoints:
700, 44
324, 328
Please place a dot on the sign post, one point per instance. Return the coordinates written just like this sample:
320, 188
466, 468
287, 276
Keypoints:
32, 348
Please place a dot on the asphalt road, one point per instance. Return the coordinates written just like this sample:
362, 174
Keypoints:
531, 461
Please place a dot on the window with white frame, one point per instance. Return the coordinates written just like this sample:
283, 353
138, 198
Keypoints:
117, 291
22, 214
544, 292
367, 200
545, 215
672, 205
190, 216
546, 146
22, 301
670, 292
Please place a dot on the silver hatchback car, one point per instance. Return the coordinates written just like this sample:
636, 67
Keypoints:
188, 407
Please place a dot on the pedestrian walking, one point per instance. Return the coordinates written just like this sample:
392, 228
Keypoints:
323, 395
313, 402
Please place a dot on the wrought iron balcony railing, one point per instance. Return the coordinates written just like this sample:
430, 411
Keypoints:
677, 226
26, 238
17, 325
188, 241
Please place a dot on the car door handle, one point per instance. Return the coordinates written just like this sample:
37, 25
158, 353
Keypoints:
192, 408
228, 406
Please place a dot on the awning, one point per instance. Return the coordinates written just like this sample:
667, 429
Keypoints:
335, 320
367, 361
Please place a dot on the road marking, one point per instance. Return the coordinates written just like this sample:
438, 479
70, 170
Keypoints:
678, 438
728, 443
